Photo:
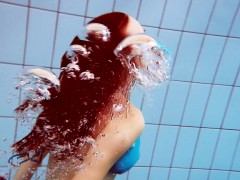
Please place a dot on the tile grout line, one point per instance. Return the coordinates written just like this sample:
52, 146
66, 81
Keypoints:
193, 75
220, 131
143, 97
164, 100
169, 29
186, 168
55, 34
237, 144
114, 5
169, 125
139, 9
229, 98
24, 60
177, 53
172, 80
85, 13
234, 155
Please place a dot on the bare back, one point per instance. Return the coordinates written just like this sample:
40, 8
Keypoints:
117, 137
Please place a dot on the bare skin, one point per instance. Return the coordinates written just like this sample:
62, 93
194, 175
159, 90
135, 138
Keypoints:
120, 133
118, 137
28, 168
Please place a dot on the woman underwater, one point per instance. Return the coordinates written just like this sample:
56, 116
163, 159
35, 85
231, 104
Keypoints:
87, 123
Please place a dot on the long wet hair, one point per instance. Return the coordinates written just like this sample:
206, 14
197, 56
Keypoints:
71, 114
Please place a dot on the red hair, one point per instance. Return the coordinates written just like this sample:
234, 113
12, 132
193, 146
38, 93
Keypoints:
72, 113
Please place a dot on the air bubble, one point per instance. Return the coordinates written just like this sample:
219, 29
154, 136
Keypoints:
86, 75
52, 137
35, 84
146, 58
71, 67
90, 141
65, 132
76, 49
117, 107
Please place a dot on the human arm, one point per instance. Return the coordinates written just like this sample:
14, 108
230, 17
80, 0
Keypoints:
28, 167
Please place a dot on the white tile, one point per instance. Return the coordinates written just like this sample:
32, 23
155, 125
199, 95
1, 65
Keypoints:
24, 128
151, 12
216, 106
164, 148
187, 57
129, 7
68, 27
199, 15
94, 10
7, 129
158, 173
175, 102
21, 2
136, 97
40, 37
146, 145
170, 39
56, 72
219, 175
139, 173
198, 174
87, 20
151, 31
153, 104
234, 175
9, 96
73, 6
121, 176
45, 160
233, 112
4, 172
41, 173
209, 58
185, 147
230, 61
222, 17
175, 14
205, 148
238, 79
13, 29
235, 29
177, 174
236, 162
45, 4
225, 149
13, 172
196, 104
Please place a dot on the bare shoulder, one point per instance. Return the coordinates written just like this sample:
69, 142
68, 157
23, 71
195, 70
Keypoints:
119, 135
137, 118
137, 113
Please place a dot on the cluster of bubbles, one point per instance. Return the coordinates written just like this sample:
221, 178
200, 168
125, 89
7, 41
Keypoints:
71, 69
35, 84
95, 32
146, 58
154, 57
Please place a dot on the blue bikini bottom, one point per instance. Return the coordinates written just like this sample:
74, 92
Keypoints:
128, 160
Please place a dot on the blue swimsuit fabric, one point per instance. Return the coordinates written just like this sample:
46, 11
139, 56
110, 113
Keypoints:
128, 160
